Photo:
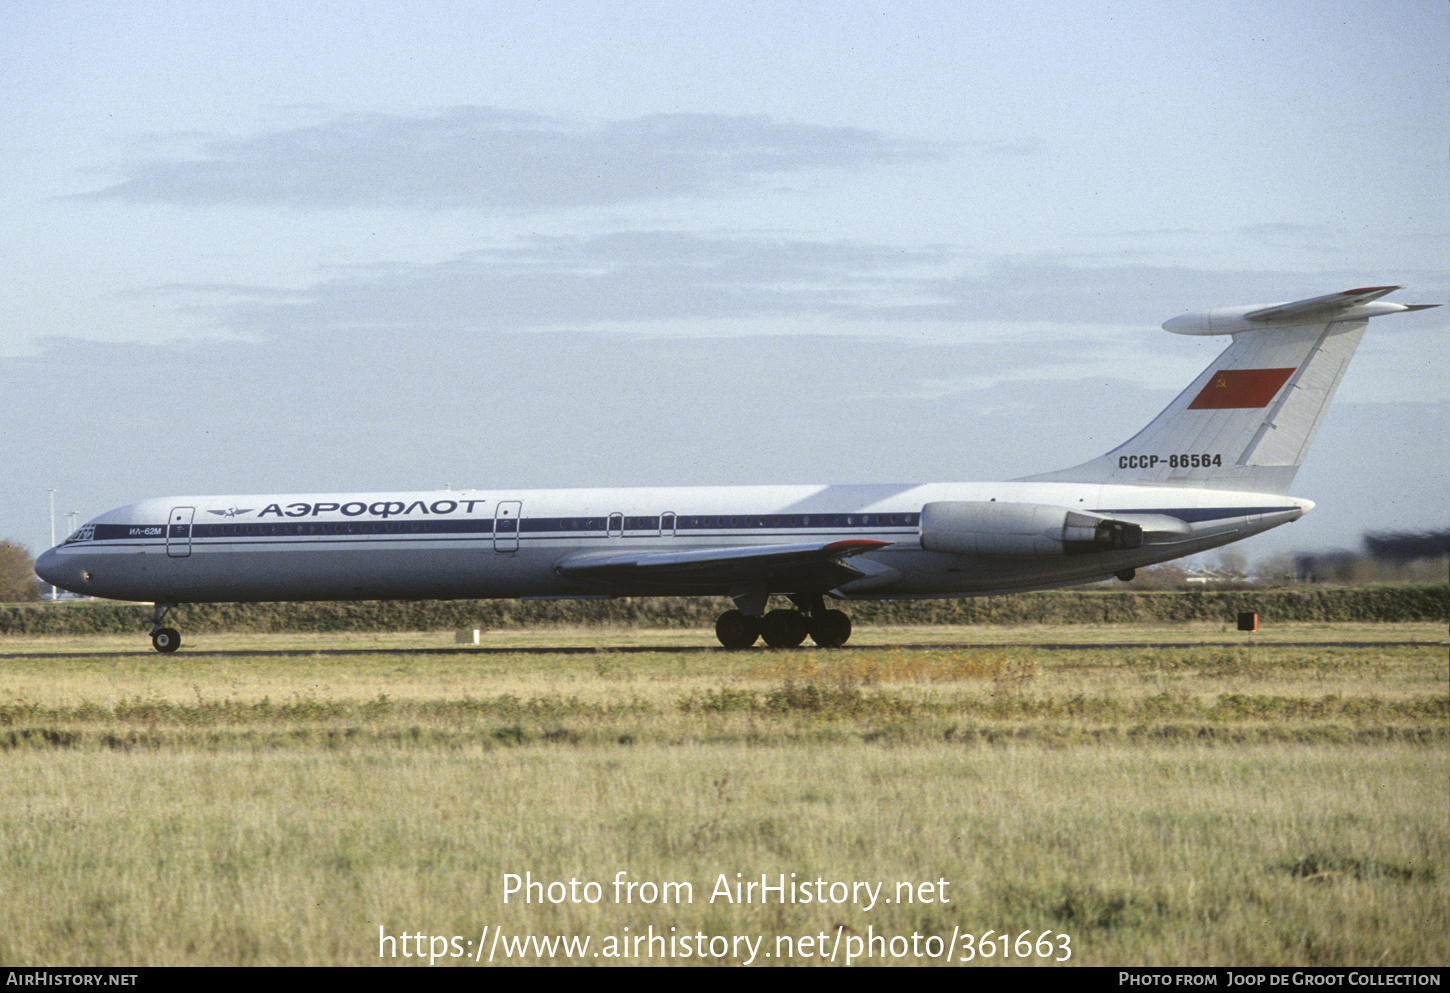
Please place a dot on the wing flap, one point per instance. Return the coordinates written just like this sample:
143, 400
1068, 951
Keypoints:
817, 566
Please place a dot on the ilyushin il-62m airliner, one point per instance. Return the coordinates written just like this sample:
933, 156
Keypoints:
1214, 467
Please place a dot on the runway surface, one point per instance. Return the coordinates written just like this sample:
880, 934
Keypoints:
1059, 646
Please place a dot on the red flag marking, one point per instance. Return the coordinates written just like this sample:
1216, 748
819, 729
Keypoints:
1232, 388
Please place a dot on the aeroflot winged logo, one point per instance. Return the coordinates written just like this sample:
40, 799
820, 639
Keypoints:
355, 508
1239, 388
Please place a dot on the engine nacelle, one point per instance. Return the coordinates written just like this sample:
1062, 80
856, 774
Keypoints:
970, 527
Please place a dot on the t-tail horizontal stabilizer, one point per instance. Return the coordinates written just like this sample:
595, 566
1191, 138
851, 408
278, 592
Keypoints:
1349, 305
1247, 421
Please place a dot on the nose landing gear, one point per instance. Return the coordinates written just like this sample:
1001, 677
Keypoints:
164, 639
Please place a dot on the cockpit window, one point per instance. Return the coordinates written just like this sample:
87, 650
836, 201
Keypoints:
84, 533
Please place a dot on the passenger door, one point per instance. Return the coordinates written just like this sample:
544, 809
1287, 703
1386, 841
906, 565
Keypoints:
506, 525
178, 532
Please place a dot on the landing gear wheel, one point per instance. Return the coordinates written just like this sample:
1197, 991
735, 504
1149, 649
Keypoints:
166, 640
830, 628
783, 628
737, 631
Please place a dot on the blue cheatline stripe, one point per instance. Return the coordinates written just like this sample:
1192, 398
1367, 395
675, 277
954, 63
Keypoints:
535, 526
144, 532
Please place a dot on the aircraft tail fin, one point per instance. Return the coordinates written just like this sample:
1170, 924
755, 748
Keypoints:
1247, 421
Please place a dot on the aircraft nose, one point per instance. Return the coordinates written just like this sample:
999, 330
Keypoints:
46, 564
52, 567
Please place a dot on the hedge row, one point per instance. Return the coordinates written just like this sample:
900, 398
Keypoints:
1374, 603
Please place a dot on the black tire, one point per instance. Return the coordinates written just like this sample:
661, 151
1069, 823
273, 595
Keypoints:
736, 631
166, 640
830, 628
783, 629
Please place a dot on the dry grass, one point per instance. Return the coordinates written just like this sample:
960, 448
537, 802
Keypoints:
1222, 804
1161, 855
564, 636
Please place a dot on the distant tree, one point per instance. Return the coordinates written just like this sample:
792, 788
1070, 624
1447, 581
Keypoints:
17, 574
1408, 546
1233, 564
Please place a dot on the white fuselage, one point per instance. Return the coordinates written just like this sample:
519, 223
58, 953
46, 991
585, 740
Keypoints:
492, 544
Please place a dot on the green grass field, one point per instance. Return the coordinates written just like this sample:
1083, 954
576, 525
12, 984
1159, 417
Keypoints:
1236, 801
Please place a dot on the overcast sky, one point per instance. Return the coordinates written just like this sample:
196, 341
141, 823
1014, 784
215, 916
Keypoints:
255, 247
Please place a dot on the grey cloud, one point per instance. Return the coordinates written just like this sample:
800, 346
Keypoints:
625, 279
585, 282
496, 160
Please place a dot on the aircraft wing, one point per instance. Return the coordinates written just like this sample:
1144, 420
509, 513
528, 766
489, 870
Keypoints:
808, 567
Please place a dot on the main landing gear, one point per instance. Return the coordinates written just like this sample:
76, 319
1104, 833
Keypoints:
785, 628
164, 639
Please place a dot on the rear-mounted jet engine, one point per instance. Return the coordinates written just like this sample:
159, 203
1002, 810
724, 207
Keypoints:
971, 527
